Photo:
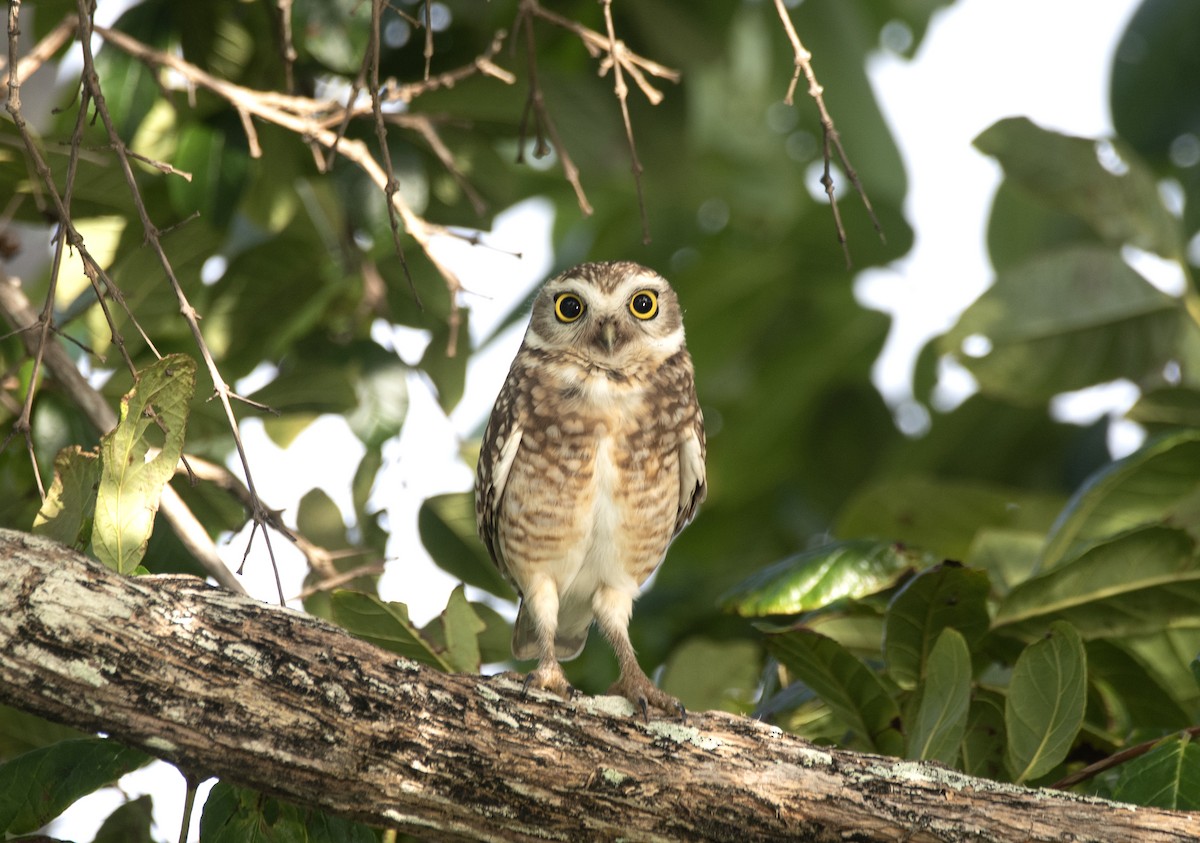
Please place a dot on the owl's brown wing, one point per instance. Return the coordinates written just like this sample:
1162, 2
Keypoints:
501, 441
693, 483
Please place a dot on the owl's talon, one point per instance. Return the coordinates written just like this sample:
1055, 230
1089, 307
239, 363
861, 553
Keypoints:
549, 678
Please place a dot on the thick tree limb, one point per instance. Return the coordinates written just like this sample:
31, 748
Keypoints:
279, 701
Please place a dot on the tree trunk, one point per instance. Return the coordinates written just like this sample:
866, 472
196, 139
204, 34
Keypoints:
282, 702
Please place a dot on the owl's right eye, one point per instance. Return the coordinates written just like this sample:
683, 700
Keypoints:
568, 307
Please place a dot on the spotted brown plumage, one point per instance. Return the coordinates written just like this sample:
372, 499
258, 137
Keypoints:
591, 463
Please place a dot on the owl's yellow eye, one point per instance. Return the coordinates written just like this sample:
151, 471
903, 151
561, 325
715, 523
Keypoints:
568, 307
644, 304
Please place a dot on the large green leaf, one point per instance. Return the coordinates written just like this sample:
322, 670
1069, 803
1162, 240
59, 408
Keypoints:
155, 412
1045, 704
38, 786
940, 515
819, 577
984, 740
945, 697
1066, 320
386, 625
854, 693
1157, 484
1124, 207
1139, 583
1168, 776
946, 596
447, 527
237, 815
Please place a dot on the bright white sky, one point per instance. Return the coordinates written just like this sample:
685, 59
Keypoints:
981, 60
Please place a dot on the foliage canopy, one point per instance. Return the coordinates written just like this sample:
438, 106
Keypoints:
993, 592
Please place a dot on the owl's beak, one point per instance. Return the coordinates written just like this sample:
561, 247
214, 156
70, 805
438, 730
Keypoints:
609, 334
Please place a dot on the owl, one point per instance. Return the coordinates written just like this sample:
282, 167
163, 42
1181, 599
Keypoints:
592, 462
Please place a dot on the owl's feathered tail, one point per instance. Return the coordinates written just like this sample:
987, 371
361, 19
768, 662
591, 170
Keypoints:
571, 635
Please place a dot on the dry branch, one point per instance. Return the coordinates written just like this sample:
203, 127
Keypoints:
276, 700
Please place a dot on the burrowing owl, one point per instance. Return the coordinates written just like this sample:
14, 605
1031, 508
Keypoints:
592, 462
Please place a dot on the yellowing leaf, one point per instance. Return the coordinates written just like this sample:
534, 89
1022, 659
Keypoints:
70, 505
155, 411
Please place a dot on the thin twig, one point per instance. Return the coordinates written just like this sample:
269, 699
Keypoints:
615, 50
17, 311
51, 43
92, 83
831, 138
1115, 760
392, 188
287, 49
535, 106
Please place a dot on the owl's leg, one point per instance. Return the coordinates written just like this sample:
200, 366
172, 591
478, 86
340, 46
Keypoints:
541, 602
613, 608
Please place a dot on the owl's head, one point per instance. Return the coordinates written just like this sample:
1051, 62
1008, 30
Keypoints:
608, 313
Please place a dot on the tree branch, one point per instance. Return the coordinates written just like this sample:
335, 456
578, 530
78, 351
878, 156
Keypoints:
275, 700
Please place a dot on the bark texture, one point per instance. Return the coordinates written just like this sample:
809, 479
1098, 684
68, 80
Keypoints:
279, 701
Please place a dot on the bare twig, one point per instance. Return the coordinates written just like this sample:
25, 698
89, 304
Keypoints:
831, 139
535, 107
1115, 760
17, 311
287, 49
53, 41
615, 50
92, 84
392, 188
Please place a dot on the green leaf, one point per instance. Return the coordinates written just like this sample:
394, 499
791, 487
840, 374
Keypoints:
1045, 705
984, 740
1066, 173
1145, 702
447, 527
706, 674
129, 823
945, 697
941, 515
155, 411
238, 815
1136, 584
1167, 776
1066, 320
1157, 484
385, 625
944, 596
462, 628
21, 731
819, 577
855, 694
38, 786
69, 509
446, 366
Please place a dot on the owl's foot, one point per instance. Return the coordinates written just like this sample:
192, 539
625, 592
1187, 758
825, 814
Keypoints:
639, 690
549, 677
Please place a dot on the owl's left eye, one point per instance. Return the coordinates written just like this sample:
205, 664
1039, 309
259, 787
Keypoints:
644, 304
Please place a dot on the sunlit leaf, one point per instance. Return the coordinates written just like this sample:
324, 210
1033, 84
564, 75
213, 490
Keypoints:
156, 411
819, 577
1045, 704
945, 695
